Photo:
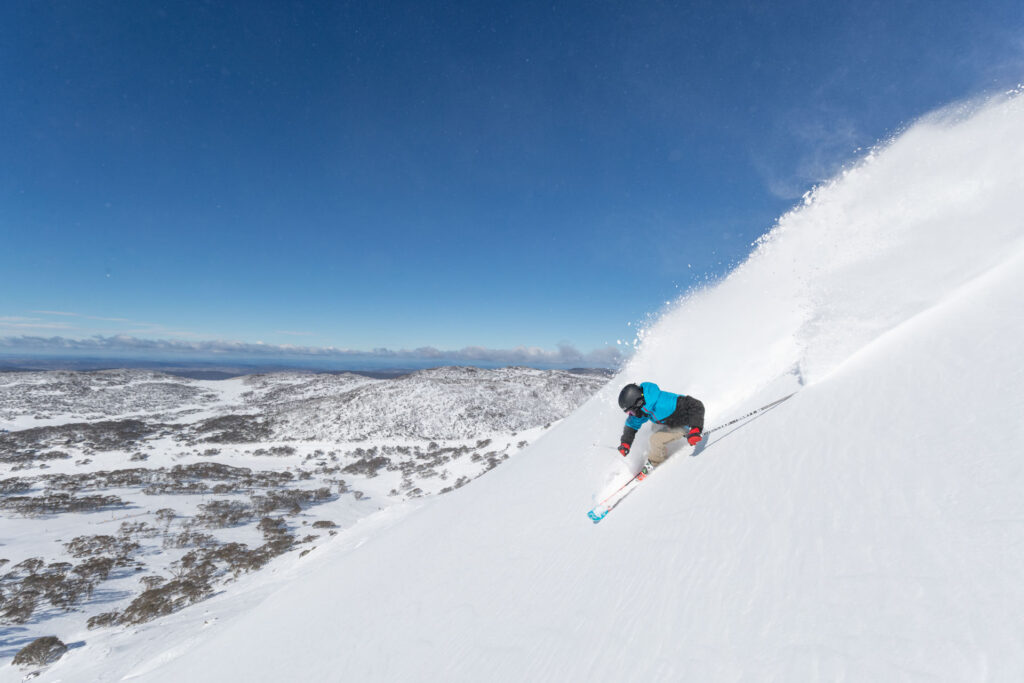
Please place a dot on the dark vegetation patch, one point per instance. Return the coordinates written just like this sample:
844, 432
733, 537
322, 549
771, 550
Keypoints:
292, 500
33, 587
97, 436
267, 498
58, 503
197, 478
459, 483
104, 479
189, 539
40, 652
15, 485
25, 460
218, 514
33, 447
408, 460
494, 459
120, 547
195, 573
32, 583
234, 429
275, 451
368, 465
161, 600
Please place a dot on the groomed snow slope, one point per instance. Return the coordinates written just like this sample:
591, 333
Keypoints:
870, 528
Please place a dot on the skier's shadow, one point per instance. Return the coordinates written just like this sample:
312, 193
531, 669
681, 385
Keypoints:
708, 442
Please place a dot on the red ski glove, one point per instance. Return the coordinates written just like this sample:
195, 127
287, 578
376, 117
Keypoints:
694, 436
624, 449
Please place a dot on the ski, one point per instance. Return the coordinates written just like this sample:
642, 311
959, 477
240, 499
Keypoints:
601, 510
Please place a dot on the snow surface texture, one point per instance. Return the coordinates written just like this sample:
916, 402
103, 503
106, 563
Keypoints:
870, 528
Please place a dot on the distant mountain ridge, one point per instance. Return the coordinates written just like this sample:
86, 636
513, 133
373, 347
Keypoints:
217, 369
447, 402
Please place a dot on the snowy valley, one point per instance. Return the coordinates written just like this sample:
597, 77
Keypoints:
128, 494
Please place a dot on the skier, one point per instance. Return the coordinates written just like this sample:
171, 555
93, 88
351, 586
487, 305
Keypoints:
680, 416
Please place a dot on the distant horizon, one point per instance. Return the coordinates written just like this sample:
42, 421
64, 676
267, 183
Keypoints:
205, 367
123, 348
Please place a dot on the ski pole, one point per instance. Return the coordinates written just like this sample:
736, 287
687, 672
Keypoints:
750, 414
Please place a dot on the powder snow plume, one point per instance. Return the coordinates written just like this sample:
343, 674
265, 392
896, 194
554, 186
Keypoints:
890, 237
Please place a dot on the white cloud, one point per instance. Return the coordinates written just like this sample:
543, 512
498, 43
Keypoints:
564, 354
85, 317
32, 324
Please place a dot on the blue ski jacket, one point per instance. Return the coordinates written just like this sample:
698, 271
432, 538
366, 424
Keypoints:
658, 406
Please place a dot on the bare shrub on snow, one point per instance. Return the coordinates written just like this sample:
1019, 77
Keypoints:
224, 513
165, 599
40, 652
58, 503
32, 582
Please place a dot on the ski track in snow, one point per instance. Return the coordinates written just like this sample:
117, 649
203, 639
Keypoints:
869, 528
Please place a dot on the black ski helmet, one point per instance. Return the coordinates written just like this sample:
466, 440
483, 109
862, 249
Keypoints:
631, 396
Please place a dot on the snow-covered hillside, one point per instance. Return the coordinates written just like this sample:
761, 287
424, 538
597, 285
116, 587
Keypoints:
442, 403
870, 528
439, 403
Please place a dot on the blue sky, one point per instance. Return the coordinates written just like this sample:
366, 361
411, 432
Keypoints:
399, 175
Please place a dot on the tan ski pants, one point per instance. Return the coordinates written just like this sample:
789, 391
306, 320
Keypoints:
660, 441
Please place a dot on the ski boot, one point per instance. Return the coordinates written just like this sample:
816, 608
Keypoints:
647, 469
